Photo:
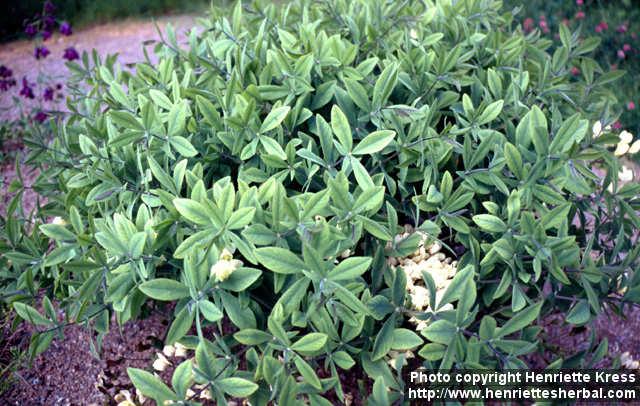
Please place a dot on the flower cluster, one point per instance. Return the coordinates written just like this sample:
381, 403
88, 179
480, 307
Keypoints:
626, 145
41, 28
6, 78
428, 259
225, 266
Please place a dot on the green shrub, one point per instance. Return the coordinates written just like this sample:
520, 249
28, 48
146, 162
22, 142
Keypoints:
263, 177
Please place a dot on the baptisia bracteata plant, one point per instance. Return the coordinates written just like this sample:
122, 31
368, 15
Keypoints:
258, 176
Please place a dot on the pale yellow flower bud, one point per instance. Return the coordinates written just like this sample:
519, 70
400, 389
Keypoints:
597, 129
626, 137
181, 351
621, 149
625, 175
169, 350
59, 221
161, 362
635, 147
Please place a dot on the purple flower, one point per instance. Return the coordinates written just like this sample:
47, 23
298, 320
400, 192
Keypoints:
46, 34
41, 52
26, 91
49, 7
49, 22
40, 116
71, 54
48, 94
65, 29
30, 30
5, 72
5, 84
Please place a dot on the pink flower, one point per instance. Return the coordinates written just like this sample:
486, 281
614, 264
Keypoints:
543, 25
631, 106
626, 47
617, 125
580, 15
603, 26
528, 24
622, 28
575, 71
579, 2
621, 54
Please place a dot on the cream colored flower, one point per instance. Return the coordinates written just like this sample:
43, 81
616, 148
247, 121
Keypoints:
621, 149
625, 175
225, 266
124, 398
169, 350
59, 221
626, 137
413, 34
597, 129
181, 351
161, 362
635, 147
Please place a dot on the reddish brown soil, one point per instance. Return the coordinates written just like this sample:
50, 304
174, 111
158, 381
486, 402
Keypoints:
68, 374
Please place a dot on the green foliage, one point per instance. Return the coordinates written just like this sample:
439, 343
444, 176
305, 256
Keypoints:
259, 178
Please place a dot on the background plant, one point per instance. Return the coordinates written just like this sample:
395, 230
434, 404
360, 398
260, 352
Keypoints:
259, 177
614, 22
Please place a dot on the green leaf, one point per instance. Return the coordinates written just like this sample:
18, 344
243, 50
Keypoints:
310, 343
250, 336
272, 147
241, 279
571, 131
374, 142
341, 128
384, 340
183, 146
164, 289
343, 359
279, 260
150, 386
490, 223
209, 310
57, 232
192, 211
307, 373
440, 331
236, 387
350, 268
274, 118
241, 218
30, 314
580, 313
181, 325
514, 159
490, 112
520, 320
176, 120
404, 339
